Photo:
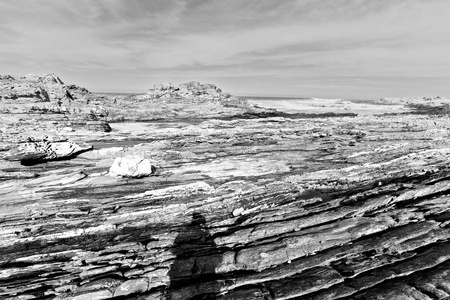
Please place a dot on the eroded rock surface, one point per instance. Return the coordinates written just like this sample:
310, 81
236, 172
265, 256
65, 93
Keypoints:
36, 88
35, 151
238, 208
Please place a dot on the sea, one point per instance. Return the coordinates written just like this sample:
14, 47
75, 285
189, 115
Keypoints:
293, 104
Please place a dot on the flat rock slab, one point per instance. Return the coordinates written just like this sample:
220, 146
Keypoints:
40, 151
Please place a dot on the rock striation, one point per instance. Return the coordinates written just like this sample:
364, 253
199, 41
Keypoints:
268, 207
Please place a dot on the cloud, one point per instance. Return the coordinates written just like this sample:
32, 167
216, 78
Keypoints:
287, 41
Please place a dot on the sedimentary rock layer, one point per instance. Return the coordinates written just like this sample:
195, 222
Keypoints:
240, 208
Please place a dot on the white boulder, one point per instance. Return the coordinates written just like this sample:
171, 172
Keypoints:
130, 166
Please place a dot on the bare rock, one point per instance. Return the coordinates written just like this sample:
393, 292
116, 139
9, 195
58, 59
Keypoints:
77, 91
40, 151
133, 167
100, 126
37, 88
132, 286
17, 92
195, 90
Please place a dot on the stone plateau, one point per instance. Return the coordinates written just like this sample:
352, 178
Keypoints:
238, 202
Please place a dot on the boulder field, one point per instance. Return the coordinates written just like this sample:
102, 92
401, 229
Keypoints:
190, 193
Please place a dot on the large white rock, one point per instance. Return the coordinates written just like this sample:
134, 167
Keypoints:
131, 166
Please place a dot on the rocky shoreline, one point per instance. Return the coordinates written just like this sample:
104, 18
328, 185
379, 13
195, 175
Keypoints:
225, 200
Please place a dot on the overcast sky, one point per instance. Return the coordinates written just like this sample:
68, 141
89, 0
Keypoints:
304, 48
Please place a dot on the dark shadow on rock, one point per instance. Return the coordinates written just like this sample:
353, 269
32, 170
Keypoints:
193, 274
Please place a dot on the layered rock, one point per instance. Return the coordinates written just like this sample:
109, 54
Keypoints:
271, 208
238, 208
36, 88
47, 98
44, 150
194, 90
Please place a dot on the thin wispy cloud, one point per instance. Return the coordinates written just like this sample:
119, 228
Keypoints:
285, 47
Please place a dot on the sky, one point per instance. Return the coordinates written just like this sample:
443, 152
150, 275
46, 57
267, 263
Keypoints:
363, 49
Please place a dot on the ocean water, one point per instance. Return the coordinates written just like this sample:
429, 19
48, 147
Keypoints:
295, 105
320, 106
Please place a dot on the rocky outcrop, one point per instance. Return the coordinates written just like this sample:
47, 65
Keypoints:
195, 90
13, 91
40, 151
47, 99
192, 100
34, 88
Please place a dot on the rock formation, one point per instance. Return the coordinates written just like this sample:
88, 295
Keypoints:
44, 150
268, 207
39, 88
194, 90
